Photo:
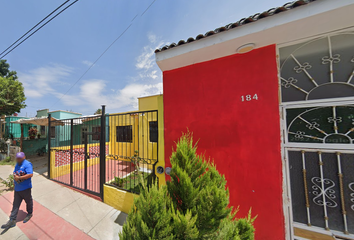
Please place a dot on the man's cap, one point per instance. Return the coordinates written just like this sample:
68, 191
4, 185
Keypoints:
20, 155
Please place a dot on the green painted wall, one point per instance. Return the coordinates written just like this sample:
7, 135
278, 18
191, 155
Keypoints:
14, 128
31, 146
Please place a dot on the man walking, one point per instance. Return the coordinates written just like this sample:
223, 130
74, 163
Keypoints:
23, 185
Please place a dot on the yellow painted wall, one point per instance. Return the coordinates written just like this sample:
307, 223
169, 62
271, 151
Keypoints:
140, 139
156, 103
125, 149
148, 150
119, 199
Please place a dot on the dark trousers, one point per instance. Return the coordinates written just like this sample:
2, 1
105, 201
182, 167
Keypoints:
19, 196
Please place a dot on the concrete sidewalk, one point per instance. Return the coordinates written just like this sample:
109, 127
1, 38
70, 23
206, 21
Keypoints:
5, 171
89, 216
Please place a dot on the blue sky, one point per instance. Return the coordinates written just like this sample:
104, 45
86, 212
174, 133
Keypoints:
54, 58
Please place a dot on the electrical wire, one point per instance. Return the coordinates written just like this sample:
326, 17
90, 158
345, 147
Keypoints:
34, 27
103, 53
93, 64
39, 28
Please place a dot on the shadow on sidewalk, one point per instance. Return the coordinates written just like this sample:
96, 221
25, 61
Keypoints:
121, 219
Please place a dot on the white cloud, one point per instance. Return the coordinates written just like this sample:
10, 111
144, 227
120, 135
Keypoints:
41, 81
87, 63
129, 94
152, 74
92, 94
146, 60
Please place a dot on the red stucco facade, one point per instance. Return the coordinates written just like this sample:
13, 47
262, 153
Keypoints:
243, 137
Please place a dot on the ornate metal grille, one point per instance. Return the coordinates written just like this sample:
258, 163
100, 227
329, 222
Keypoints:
334, 125
322, 189
318, 69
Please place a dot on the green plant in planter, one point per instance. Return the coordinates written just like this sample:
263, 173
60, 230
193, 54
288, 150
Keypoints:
32, 132
118, 181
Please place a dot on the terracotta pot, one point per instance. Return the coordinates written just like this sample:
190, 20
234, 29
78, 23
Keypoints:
32, 137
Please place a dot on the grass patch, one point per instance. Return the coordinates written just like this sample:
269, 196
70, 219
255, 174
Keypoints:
7, 161
132, 182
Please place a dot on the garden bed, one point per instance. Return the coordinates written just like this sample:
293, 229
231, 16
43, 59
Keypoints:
131, 182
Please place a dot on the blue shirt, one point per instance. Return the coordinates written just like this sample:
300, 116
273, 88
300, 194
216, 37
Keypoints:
22, 169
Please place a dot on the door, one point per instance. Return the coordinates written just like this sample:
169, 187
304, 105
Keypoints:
318, 129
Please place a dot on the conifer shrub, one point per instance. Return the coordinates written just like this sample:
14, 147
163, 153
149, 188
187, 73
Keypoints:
193, 205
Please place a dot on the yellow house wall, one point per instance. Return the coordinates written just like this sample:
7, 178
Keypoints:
156, 103
120, 200
121, 149
148, 150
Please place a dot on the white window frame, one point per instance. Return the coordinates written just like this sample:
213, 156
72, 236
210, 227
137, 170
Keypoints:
285, 145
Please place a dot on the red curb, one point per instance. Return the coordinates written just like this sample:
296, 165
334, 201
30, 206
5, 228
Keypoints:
44, 224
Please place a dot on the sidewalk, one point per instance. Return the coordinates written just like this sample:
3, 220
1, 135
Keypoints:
60, 213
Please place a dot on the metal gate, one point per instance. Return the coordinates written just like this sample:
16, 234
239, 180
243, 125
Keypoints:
133, 149
116, 149
77, 152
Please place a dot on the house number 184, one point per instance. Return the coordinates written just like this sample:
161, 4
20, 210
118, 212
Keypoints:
248, 98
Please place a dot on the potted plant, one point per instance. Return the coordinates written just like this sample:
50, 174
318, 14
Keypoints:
32, 132
38, 135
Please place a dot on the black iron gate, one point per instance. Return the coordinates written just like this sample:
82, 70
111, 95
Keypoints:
77, 157
117, 149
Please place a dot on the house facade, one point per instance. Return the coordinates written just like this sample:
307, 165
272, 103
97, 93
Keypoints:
57, 133
270, 99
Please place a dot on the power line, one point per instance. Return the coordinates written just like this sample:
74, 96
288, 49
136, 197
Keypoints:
104, 53
34, 27
39, 28
148, 8
93, 64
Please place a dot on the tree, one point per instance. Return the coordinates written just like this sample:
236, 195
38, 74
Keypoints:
195, 203
150, 217
98, 112
5, 70
12, 96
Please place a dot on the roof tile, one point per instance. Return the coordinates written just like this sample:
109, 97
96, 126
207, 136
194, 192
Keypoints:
243, 21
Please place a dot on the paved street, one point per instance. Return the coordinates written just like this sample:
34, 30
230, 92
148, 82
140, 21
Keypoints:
60, 213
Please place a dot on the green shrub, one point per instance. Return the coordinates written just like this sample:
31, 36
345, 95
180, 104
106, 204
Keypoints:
193, 205
150, 218
118, 181
9, 182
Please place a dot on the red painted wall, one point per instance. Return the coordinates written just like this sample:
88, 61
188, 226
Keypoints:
243, 138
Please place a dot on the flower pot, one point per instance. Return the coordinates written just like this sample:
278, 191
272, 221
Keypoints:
39, 136
32, 137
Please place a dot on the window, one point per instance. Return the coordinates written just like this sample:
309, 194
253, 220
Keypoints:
52, 132
125, 133
96, 133
83, 134
43, 130
153, 131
